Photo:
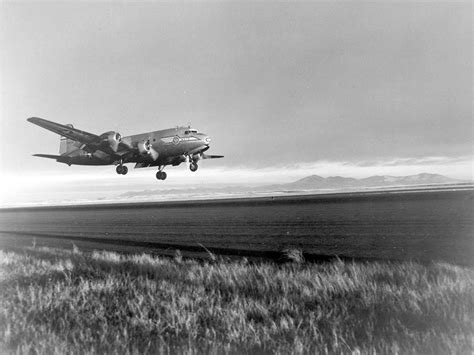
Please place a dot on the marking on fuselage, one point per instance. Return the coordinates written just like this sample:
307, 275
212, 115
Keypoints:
167, 140
187, 139
177, 139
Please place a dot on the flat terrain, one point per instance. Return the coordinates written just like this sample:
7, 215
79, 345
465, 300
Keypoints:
89, 276
57, 301
411, 225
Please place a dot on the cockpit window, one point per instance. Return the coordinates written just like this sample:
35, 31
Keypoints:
190, 131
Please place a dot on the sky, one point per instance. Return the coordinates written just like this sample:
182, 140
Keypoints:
285, 89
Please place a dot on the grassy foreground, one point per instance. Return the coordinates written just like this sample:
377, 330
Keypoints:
60, 301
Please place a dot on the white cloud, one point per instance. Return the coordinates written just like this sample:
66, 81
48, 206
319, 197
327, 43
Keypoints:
92, 183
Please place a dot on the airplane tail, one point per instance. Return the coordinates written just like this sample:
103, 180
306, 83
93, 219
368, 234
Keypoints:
66, 145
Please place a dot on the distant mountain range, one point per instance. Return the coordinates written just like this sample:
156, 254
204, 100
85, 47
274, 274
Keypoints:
315, 182
309, 183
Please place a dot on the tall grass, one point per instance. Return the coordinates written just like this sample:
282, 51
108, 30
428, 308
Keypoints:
58, 301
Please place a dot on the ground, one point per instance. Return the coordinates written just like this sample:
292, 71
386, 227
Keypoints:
62, 301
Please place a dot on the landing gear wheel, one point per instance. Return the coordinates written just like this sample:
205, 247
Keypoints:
161, 175
193, 167
121, 169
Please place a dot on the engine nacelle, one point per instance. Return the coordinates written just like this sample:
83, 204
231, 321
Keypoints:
144, 148
111, 139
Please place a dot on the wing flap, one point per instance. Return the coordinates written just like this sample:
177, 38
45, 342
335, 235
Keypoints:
142, 165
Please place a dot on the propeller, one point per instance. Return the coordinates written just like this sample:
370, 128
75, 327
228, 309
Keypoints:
153, 153
145, 148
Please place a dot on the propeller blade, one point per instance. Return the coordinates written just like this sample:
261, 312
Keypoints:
153, 153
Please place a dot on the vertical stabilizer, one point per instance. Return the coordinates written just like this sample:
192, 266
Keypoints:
66, 145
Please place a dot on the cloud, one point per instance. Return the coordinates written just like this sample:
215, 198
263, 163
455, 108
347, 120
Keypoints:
93, 183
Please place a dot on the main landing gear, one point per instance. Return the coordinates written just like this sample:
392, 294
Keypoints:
161, 175
193, 166
121, 169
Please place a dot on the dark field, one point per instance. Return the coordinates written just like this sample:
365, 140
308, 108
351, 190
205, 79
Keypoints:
421, 225
59, 294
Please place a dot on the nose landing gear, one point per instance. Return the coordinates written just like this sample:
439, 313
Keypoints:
193, 166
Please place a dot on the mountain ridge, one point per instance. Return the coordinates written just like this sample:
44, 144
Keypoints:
317, 182
311, 182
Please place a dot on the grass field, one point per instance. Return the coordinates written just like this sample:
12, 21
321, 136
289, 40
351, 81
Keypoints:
68, 301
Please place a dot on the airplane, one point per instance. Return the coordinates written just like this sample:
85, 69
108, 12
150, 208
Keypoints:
171, 146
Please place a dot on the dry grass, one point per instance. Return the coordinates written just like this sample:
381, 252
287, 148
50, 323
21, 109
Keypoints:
58, 301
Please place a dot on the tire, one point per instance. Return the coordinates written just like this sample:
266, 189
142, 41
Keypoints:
118, 169
161, 175
193, 167
124, 170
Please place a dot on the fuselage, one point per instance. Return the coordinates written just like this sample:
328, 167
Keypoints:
173, 145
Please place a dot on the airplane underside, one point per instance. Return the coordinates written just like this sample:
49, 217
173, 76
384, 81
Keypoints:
86, 159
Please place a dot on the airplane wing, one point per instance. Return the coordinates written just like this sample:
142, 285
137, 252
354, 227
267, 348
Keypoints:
65, 131
109, 142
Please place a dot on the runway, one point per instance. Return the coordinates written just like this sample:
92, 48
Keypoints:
399, 225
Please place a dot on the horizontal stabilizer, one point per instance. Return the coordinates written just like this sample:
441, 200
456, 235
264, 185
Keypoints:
47, 156
205, 156
59, 158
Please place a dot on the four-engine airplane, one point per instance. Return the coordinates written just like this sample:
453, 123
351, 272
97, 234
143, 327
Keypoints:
159, 148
